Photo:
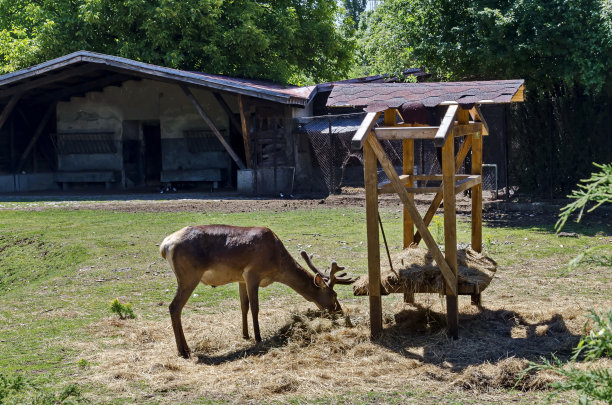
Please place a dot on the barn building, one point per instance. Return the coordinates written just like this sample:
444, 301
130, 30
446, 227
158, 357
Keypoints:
88, 120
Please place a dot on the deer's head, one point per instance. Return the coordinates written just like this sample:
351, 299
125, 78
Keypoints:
326, 296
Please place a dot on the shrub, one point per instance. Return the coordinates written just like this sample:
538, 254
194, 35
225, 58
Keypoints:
124, 311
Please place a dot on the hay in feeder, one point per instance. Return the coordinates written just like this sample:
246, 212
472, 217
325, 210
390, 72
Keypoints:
417, 272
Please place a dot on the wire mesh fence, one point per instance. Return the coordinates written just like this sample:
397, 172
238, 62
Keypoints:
330, 137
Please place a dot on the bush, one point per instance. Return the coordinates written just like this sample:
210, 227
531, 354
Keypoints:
124, 311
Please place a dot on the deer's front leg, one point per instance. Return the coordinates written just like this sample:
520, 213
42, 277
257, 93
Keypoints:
252, 285
244, 306
183, 292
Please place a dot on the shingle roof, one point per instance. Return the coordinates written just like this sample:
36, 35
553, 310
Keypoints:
374, 97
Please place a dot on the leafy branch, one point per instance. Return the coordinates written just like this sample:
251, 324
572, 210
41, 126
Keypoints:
597, 189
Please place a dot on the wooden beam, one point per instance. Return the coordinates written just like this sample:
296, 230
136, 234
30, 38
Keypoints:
435, 204
228, 111
212, 126
450, 235
393, 133
408, 169
246, 136
364, 130
463, 116
44, 80
39, 130
477, 194
466, 184
370, 175
485, 126
467, 129
8, 109
445, 126
414, 213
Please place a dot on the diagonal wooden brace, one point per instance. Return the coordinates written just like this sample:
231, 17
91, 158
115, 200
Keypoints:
435, 204
449, 276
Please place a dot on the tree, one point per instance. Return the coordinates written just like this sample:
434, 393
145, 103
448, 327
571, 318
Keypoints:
562, 48
284, 40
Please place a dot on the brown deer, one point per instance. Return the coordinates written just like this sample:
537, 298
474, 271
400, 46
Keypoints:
251, 256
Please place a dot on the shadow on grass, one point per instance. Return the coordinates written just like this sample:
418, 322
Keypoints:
591, 224
485, 336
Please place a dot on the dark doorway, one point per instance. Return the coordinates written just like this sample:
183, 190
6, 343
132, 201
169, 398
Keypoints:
151, 134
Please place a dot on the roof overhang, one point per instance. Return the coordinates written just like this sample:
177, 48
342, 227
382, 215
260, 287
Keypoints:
77, 69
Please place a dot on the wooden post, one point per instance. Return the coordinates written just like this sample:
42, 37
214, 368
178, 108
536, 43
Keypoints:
246, 137
450, 233
370, 176
477, 202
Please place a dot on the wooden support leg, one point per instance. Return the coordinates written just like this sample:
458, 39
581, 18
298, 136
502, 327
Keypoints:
408, 168
409, 298
450, 232
477, 203
371, 192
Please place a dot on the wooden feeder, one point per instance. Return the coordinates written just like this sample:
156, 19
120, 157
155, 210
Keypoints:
462, 119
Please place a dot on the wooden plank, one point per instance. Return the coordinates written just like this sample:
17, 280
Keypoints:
463, 116
246, 136
370, 176
8, 109
364, 130
477, 117
392, 133
39, 130
450, 235
477, 194
445, 126
212, 126
435, 204
389, 189
412, 210
467, 129
408, 169
468, 183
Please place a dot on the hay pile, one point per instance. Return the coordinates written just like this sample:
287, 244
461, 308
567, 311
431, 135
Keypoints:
417, 272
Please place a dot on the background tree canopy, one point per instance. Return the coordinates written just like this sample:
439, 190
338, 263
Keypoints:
562, 48
282, 40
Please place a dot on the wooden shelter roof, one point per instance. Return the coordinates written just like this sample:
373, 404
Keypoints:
84, 71
376, 97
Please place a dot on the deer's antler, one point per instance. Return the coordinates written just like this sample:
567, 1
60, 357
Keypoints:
339, 278
308, 260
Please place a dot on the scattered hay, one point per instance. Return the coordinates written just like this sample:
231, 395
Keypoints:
312, 354
417, 272
505, 374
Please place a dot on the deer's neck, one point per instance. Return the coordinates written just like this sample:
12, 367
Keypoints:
296, 277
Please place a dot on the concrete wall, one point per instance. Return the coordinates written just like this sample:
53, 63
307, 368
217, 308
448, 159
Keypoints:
145, 101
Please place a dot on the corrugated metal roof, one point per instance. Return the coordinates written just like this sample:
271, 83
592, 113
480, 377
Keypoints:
374, 97
79, 63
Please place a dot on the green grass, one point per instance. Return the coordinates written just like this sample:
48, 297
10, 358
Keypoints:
60, 268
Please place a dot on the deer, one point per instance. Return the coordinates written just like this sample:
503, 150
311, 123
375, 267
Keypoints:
253, 257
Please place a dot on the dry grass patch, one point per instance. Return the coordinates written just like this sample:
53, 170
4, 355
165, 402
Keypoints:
309, 354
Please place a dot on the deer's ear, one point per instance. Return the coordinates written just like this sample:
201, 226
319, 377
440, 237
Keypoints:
318, 281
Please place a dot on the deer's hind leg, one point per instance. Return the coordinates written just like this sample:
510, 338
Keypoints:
183, 292
252, 287
244, 306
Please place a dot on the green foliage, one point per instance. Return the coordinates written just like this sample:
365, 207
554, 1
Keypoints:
598, 342
593, 383
18, 390
596, 189
279, 40
547, 43
124, 311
